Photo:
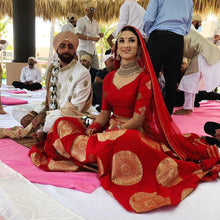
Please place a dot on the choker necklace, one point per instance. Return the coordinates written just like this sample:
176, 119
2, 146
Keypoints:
129, 69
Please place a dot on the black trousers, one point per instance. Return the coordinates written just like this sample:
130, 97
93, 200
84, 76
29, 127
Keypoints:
166, 51
210, 128
21, 85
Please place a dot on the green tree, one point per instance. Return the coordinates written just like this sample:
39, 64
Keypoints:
3, 25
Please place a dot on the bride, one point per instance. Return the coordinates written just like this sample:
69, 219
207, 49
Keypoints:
143, 160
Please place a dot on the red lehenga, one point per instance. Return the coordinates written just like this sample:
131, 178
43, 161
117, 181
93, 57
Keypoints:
143, 169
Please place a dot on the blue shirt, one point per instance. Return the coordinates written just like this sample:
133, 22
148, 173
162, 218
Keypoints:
170, 15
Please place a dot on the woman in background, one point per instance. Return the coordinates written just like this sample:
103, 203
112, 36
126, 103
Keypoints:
143, 159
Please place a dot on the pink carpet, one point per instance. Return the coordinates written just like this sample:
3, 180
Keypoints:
17, 91
16, 156
12, 101
194, 123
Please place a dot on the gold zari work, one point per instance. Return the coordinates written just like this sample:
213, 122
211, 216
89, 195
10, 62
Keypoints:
64, 128
167, 173
150, 142
85, 83
62, 166
142, 201
60, 149
200, 173
111, 135
100, 165
148, 84
142, 110
127, 169
70, 78
165, 148
78, 148
186, 192
38, 160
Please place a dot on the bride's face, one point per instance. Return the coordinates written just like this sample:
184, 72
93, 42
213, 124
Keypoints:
127, 46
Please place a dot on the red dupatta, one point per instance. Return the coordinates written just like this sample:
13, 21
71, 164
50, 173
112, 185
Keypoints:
162, 125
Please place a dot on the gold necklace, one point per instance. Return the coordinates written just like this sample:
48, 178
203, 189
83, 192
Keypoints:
129, 69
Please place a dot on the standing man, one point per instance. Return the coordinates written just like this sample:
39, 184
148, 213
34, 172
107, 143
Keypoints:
131, 13
86, 62
30, 76
71, 23
165, 24
87, 30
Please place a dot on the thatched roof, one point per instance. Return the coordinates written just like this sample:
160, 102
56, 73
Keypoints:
107, 10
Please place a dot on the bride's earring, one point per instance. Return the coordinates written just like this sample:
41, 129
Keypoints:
138, 56
118, 57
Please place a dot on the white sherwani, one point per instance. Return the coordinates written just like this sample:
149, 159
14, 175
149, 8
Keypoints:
74, 86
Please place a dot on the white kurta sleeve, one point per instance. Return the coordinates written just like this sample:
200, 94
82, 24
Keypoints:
80, 26
81, 91
123, 18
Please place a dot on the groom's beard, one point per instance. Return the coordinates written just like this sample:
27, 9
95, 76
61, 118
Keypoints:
66, 57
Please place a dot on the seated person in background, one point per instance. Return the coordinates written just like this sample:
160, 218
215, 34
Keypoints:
101, 74
3, 44
213, 129
86, 61
30, 77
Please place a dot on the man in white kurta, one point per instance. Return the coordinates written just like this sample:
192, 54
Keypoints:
203, 72
131, 13
71, 23
30, 76
87, 30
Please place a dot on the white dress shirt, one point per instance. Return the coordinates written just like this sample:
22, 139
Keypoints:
131, 13
89, 28
33, 75
172, 15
